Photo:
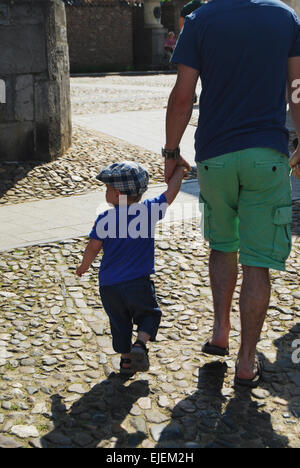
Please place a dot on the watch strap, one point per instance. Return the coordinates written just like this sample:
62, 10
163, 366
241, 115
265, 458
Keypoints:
171, 154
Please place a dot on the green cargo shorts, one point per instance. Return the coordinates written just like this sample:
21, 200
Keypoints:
247, 201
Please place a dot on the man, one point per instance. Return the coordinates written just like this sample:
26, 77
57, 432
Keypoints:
244, 52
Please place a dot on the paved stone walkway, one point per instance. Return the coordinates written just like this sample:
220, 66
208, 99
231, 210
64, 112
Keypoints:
65, 218
59, 374
59, 382
141, 128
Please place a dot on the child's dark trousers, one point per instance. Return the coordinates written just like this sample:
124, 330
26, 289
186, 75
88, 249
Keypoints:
129, 303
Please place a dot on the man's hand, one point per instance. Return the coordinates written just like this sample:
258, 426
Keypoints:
295, 163
171, 164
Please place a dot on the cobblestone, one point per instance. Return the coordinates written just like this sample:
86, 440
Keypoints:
59, 381
74, 173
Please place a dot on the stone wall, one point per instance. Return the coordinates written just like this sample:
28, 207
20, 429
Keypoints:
35, 117
100, 35
170, 15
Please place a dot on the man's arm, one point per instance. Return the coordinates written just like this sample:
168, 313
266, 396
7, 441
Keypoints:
293, 85
179, 111
181, 22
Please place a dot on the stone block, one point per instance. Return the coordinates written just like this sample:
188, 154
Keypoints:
42, 141
41, 92
24, 98
7, 108
23, 49
35, 120
27, 13
17, 141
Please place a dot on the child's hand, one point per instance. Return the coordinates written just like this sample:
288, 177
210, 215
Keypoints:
81, 271
182, 171
183, 163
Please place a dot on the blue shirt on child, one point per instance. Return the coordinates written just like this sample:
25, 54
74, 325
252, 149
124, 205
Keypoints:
127, 233
241, 49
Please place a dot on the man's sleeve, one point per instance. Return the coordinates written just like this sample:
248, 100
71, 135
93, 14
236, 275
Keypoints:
187, 50
295, 49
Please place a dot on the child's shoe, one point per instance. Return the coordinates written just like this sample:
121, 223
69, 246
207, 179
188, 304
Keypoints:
139, 357
126, 370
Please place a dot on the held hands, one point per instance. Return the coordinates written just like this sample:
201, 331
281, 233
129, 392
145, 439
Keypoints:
171, 164
295, 163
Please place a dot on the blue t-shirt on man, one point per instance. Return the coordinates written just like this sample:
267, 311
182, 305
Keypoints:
241, 49
127, 233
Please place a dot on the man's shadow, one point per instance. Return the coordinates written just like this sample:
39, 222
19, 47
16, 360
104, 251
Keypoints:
97, 416
207, 419
195, 418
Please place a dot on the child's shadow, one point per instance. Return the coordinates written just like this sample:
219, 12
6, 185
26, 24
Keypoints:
97, 416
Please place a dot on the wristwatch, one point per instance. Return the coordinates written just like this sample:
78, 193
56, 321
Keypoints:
170, 154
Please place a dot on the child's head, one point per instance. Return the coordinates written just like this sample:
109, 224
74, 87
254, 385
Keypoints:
126, 178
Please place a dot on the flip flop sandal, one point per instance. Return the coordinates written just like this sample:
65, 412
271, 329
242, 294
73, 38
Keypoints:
125, 370
215, 350
251, 383
139, 357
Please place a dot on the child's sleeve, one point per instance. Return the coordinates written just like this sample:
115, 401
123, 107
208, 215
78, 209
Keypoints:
157, 207
96, 232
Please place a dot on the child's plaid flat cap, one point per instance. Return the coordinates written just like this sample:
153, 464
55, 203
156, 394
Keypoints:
128, 177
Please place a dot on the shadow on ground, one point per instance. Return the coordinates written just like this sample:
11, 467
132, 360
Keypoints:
212, 417
12, 173
207, 419
97, 416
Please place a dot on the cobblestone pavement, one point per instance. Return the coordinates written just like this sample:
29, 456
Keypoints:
120, 93
59, 382
75, 171
59, 377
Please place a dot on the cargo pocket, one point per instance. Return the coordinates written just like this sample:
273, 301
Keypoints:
205, 218
282, 238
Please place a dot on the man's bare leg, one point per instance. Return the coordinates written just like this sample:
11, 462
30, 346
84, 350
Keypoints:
254, 302
223, 277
